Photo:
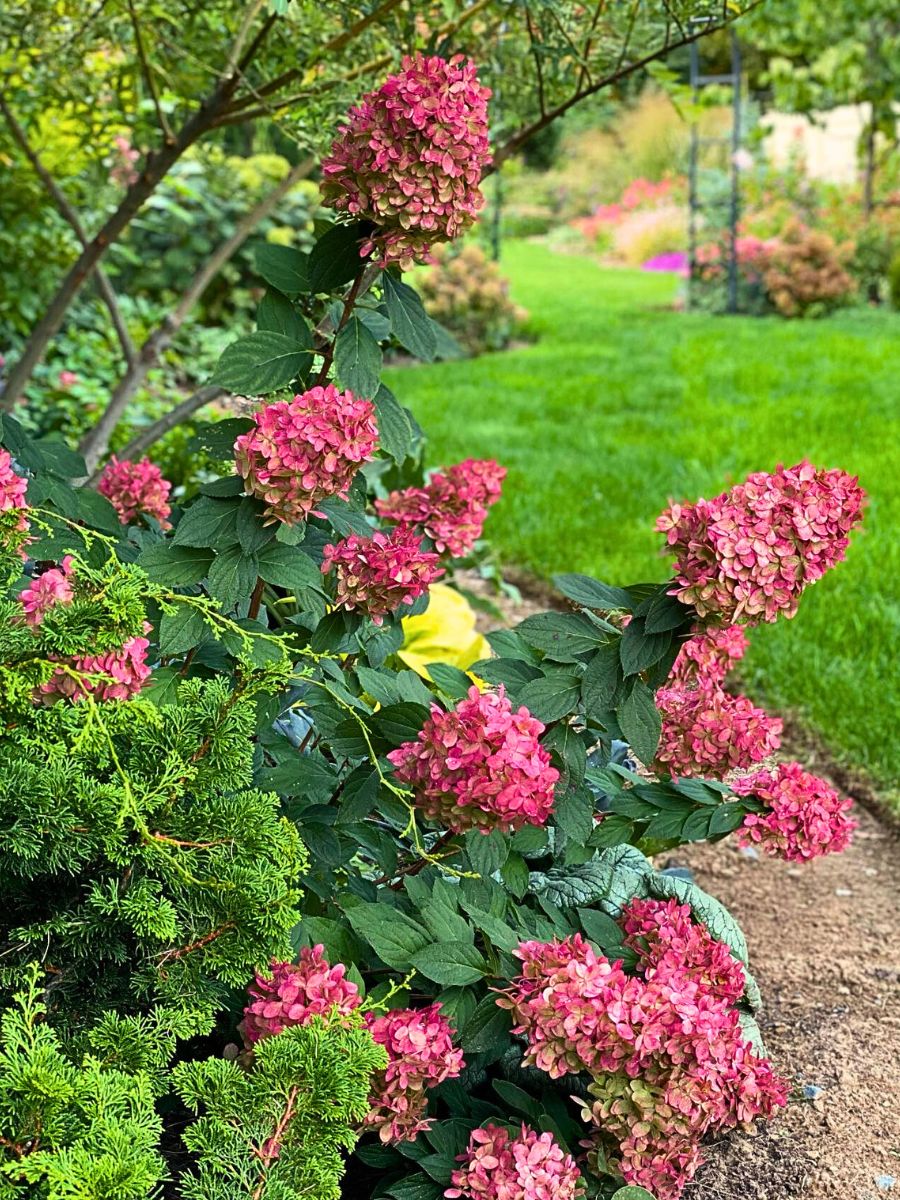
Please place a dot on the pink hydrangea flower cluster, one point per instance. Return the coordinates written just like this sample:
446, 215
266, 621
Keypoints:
51, 587
707, 731
804, 817
529, 1166
665, 1046
421, 1054
708, 656
133, 488
452, 507
123, 171
306, 449
379, 573
747, 555
479, 766
296, 992
123, 673
411, 156
12, 492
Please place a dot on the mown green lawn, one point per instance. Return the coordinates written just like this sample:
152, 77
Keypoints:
622, 404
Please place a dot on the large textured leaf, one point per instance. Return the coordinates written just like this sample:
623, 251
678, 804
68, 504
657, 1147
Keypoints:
232, 577
395, 433
602, 678
610, 881
335, 258
561, 636
175, 566
552, 696
276, 314
262, 362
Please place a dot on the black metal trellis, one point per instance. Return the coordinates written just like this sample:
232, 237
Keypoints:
698, 204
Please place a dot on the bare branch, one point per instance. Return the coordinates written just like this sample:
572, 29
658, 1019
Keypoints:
147, 72
170, 420
538, 66
68, 213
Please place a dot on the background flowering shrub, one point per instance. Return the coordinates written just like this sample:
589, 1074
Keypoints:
465, 291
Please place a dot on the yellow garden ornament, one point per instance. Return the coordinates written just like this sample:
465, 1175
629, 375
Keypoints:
445, 632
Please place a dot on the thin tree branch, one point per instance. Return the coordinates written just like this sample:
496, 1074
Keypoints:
147, 72
234, 61
622, 71
68, 213
96, 442
150, 436
535, 54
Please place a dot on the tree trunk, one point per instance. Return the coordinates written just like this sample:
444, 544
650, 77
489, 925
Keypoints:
96, 442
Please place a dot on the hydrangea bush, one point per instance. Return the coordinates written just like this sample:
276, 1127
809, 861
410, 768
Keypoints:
304, 921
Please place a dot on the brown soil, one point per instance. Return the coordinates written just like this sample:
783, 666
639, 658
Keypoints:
825, 953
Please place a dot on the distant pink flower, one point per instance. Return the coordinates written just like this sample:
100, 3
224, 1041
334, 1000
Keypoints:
421, 1054
377, 574
742, 159
294, 993
674, 261
479, 766
747, 555
529, 1166
136, 488
123, 171
303, 450
51, 587
120, 674
12, 493
411, 156
452, 507
708, 731
67, 379
804, 817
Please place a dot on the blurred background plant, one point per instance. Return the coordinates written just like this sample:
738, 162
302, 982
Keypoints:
466, 292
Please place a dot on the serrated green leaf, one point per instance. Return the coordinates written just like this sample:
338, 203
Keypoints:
232, 577
335, 258
488, 1026
180, 631
395, 433
208, 523
561, 636
552, 696
410, 323
451, 964
175, 566
393, 935
357, 359
262, 362
276, 314
639, 650
289, 568
640, 721
593, 594
602, 678
284, 268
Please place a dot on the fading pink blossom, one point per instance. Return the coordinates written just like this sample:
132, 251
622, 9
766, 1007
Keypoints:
377, 574
67, 379
747, 555
708, 655
123, 172
707, 731
12, 493
51, 587
410, 158
294, 993
135, 489
479, 766
528, 1166
452, 507
117, 674
665, 1047
804, 817
421, 1054
303, 450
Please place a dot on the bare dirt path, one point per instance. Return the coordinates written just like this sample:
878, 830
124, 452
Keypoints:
824, 944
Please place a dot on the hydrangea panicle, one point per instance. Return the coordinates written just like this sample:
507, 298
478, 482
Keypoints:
421, 1054
51, 587
303, 450
379, 573
804, 816
479, 766
747, 555
665, 1046
134, 488
452, 507
707, 731
294, 993
708, 656
528, 1166
410, 158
